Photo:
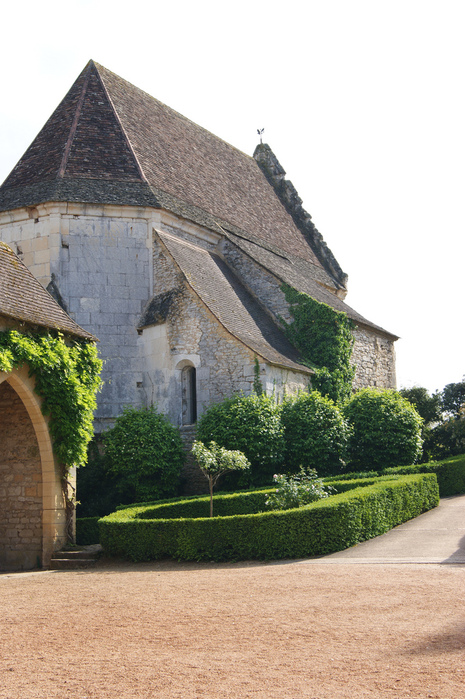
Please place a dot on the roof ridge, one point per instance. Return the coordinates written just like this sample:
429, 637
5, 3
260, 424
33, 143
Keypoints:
72, 131
115, 111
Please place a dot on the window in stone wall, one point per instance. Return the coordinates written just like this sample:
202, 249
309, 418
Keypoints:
189, 395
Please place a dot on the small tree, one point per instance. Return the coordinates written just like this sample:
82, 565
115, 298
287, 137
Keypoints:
250, 424
214, 461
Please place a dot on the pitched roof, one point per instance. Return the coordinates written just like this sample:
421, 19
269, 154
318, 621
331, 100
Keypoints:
232, 305
23, 298
110, 142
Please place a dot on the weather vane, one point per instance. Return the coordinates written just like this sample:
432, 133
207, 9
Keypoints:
260, 131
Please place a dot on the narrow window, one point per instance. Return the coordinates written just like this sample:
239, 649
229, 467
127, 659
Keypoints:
189, 396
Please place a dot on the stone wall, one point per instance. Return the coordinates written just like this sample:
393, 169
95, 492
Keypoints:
375, 358
96, 261
20, 486
374, 352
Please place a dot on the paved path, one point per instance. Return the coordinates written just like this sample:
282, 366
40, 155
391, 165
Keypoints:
437, 536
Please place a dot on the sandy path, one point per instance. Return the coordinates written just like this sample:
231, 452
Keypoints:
267, 631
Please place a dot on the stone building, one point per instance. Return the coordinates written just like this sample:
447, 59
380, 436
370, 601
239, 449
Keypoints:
171, 246
32, 508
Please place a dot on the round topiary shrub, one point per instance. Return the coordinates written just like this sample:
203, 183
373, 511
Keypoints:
252, 425
386, 430
144, 453
316, 434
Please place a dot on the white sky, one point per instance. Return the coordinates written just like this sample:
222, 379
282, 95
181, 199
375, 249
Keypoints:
362, 102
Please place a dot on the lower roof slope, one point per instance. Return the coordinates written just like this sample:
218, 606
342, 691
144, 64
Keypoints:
232, 305
23, 298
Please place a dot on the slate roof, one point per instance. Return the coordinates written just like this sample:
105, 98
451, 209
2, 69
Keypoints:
233, 306
23, 298
110, 142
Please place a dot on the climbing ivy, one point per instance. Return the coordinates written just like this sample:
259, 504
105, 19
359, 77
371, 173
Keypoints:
324, 339
67, 377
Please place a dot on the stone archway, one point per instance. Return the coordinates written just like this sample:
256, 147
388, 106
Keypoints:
32, 515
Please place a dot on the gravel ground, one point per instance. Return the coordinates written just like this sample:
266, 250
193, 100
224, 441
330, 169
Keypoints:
259, 630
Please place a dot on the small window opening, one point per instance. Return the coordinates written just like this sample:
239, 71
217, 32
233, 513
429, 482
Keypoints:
189, 395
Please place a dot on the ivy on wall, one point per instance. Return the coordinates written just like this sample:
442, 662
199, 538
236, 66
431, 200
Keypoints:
324, 339
67, 377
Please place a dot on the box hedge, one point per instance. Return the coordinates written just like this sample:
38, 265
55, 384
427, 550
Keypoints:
181, 530
449, 472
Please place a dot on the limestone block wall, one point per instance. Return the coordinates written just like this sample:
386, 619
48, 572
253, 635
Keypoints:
280, 382
374, 356
99, 260
34, 233
20, 486
105, 278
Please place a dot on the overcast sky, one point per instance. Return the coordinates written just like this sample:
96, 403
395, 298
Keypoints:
362, 102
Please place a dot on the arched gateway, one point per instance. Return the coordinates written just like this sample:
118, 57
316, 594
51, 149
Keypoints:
32, 513
33, 520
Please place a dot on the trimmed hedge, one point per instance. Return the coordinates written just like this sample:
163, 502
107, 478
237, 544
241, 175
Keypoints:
87, 531
450, 474
328, 525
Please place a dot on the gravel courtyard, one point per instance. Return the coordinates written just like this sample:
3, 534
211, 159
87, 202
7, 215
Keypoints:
258, 630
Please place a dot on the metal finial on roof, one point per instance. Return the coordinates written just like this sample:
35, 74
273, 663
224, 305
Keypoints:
260, 131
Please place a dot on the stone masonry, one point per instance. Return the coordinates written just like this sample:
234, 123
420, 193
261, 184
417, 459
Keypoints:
20, 486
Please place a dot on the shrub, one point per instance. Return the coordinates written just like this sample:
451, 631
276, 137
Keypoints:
386, 430
144, 453
332, 524
316, 433
297, 490
252, 425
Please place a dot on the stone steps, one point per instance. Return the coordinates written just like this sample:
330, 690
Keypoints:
75, 558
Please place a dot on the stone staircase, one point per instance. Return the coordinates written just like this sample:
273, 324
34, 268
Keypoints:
76, 557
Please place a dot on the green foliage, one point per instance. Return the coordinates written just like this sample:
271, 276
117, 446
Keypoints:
316, 433
67, 378
331, 524
144, 453
87, 531
443, 431
257, 384
297, 490
214, 461
449, 472
427, 406
250, 424
95, 485
453, 399
446, 439
386, 430
324, 339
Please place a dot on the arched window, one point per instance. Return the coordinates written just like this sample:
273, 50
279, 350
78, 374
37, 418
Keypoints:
189, 395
